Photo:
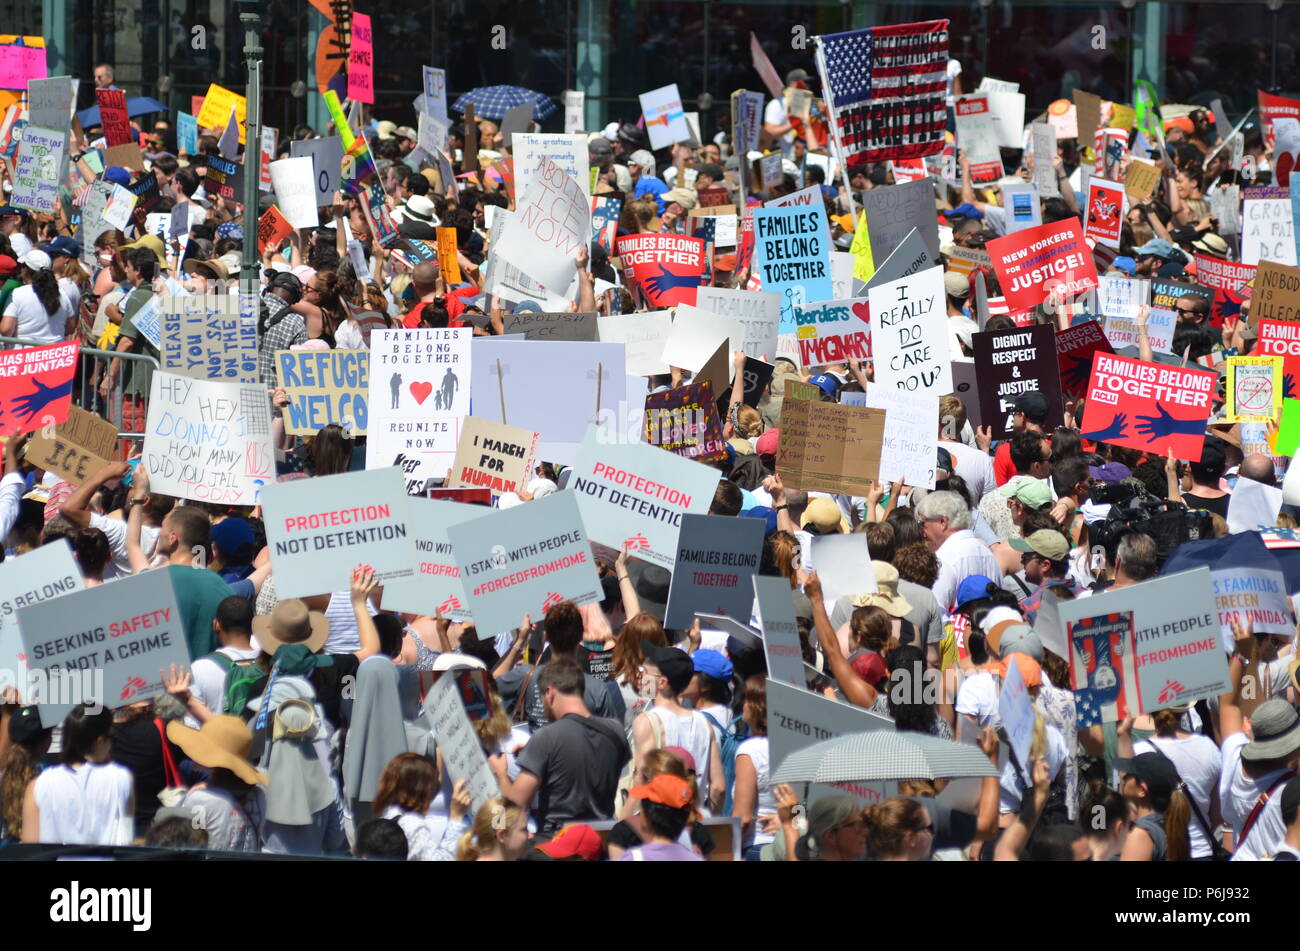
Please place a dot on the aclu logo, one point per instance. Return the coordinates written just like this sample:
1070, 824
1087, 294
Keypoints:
102, 905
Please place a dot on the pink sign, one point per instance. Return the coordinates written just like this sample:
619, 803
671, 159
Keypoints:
21, 63
361, 87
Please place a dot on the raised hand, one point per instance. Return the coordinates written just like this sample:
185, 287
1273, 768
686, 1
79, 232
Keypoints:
1113, 430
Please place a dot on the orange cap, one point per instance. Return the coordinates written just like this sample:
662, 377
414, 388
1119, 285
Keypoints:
665, 789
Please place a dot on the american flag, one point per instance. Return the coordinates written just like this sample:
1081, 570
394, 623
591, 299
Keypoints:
1103, 668
888, 86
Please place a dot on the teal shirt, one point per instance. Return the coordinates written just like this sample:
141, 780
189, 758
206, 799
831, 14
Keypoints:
198, 592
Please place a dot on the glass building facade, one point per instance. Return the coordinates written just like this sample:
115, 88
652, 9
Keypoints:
614, 49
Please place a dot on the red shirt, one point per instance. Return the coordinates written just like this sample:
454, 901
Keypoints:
1003, 468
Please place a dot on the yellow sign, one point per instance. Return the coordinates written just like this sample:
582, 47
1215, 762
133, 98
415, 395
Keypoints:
216, 109
863, 264
1254, 389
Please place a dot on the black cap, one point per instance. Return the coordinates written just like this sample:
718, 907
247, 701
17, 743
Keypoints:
1153, 769
799, 75
285, 279
1034, 405
671, 663
25, 726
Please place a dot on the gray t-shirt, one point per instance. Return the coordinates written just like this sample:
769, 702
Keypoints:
598, 697
925, 615
577, 763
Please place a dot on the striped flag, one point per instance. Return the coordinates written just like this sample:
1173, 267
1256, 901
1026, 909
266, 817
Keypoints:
1103, 669
358, 167
887, 87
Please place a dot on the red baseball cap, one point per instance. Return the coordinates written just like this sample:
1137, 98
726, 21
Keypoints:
578, 840
767, 443
870, 667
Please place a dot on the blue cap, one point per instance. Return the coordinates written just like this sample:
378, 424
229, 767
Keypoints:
973, 588
764, 512
11, 210
829, 385
117, 175
713, 664
63, 245
234, 536
1157, 247
965, 210
1125, 264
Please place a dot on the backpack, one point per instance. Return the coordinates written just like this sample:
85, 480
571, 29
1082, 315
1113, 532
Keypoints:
241, 675
729, 739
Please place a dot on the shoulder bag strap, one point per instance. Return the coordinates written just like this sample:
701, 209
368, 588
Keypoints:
1260, 804
171, 774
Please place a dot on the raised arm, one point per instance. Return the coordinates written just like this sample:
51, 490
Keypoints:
363, 583
855, 689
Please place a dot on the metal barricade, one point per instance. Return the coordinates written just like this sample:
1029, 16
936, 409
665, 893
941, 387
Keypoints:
90, 373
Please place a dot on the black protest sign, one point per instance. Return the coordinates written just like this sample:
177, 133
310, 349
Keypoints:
757, 377
965, 386
535, 325
1011, 362
224, 179
1165, 294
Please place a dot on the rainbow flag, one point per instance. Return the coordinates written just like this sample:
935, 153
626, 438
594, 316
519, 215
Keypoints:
358, 167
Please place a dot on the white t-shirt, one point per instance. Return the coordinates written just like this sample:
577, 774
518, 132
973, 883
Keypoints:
210, 680
34, 322
19, 243
86, 804
978, 697
775, 114
1197, 760
954, 70
1238, 794
756, 748
349, 336
1010, 785
72, 292
115, 530
692, 733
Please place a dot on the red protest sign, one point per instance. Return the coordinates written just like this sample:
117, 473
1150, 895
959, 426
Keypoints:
36, 387
272, 229
1273, 107
1280, 338
1031, 263
1148, 406
1075, 347
667, 267
1227, 279
1105, 211
112, 116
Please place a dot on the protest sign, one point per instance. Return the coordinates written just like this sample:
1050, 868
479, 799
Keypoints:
1008, 110
892, 212
1266, 228
1043, 136
448, 256
319, 529
798, 718
1016, 711
843, 565
605, 213
361, 83
38, 171
792, 252
665, 121
747, 119
1280, 338
216, 109
272, 230
1022, 205
1254, 391
225, 179
524, 560
667, 267
642, 336
1275, 292
909, 333
691, 343
966, 387
326, 154
886, 90
1105, 211
208, 337
78, 448
559, 326
634, 496
515, 382
551, 221
435, 91
1179, 657
1075, 347
749, 317
1148, 406
909, 443
1254, 596
294, 181
187, 133
1141, 179
833, 332
798, 390
757, 378
112, 116
130, 629
435, 584
1030, 263
1225, 204
829, 447
22, 59
36, 386
978, 138
775, 612
1226, 278
47, 572
715, 559
573, 110
208, 441
49, 101
1103, 668
1166, 294
494, 455
324, 386
419, 391
567, 152
458, 743
117, 207
1011, 362
685, 421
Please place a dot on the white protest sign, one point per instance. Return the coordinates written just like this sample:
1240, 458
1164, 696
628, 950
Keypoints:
118, 208
751, 317
1179, 658
567, 152
909, 448
573, 109
208, 337
977, 136
435, 91
419, 390
1017, 713
843, 564
635, 494
665, 120
435, 584
1119, 296
209, 441
775, 610
38, 169
1253, 505
716, 556
524, 560
130, 629
1008, 108
326, 154
1043, 145
320, 529
462, 753
1255, 595
40, 575
909, 333
642, 335
690, 343
49, 101
1266, 227
1023, 209
432, 133
551, 222
294, 182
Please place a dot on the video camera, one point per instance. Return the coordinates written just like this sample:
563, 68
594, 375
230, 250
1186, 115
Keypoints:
1169, 524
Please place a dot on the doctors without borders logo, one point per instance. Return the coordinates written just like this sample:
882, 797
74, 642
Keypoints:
77, 905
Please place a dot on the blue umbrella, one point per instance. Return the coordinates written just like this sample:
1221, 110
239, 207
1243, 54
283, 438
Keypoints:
1242, 550
135, 106
492, 102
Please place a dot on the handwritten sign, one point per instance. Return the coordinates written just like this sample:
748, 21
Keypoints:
1254, 389
1266, 226
568, 152
79, 447
829, 447
272, 230
909, 336
448, 259
324, 387
209, 337
39, 169
494, 455
685, 421
361, 85
550, 223
1011, 362
216, 109
112, 116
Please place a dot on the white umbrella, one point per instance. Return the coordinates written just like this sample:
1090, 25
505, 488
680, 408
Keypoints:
881, 755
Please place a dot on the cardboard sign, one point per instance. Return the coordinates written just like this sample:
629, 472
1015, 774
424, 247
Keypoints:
324, 387
272, 230
79, 447
551, 221
130, 629
665, 120
494, 455
38, 171
552, 326
524, 560
716, 557
361, 83
294, 182
909, 333
1257, 596
1275, 292
458, 743
642, 336
909, 445
750, 318
435, 584
1280, 338
833, 332
208, 337
1075, 347
208, 441
419, 392
978, 138
666, 267
894, 211
326, 154
1141, 179
448, 256
1105, 212
635, 495
1179, 657
47, 572
319, 529
1030, 263
1267, 232
568, 152
685, 421
1148, 406
1254, 389
1103, 668
216, 109
775, 611
36, 386
792, 254
829, 447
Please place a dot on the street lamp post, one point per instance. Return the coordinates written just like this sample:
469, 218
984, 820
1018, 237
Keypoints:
248, 275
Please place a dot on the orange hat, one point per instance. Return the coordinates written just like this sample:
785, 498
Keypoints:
1031, 672
581, 841
1182, 122
665, 789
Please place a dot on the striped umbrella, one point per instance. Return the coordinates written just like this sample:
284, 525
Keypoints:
881, 755
492, 102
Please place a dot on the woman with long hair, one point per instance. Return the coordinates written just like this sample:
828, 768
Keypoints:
753, 799
632, 829
1160, 810
330, 452
499, 833
39, 310
629, 660
322, 305
406, 790
1197, 762
19, 766
86, 799
91, 550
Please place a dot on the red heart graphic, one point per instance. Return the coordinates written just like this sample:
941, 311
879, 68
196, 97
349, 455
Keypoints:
421, 391
1282, 168
862, 312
